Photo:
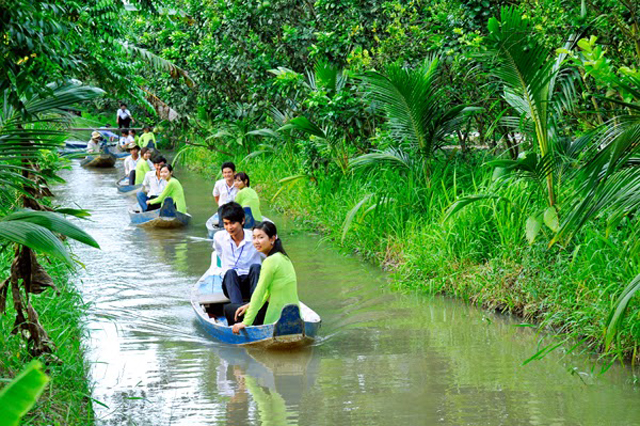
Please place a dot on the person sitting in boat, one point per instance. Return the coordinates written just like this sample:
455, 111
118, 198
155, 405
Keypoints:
148, 139
224, 191
277, 286
240, 262
152, 185
130, 162
247, 196
135, 136
143, 166
173, 190
93, 147
125, 140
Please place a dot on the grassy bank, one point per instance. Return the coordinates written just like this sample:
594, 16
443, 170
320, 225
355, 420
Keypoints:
66, 398
480, 254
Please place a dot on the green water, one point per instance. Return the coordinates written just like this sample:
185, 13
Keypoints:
382, 358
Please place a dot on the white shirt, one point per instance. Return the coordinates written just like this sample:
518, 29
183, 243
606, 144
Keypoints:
225, 193
130, 164
93, 146
123, 114
152, 184
126, 140
238, 257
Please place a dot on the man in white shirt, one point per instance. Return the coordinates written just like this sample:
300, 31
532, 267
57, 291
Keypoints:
152, 185
240, 261
131, 161
123, 117
224, 191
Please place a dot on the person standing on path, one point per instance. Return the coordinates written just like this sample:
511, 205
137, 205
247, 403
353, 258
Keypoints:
123, 117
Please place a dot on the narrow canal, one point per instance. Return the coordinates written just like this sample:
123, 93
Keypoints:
383, 358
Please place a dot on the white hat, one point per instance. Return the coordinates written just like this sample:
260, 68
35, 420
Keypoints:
96, 135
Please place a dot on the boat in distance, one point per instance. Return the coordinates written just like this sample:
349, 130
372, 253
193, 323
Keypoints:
297, 325
166, 217
102, 160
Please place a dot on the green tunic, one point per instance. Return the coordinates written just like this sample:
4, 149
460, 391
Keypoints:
146, 138
277, 285
175, 191
248, 197
141, 169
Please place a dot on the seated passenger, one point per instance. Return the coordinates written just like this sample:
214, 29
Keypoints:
240, 262
277, 286
130, 163
125, 139
173, 190
148, 139
93, 147
152, 185
143, 166
224, 191
246, 196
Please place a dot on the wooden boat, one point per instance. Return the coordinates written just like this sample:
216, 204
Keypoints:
297, 326
102, 160
166, 217
124, 187
213, 224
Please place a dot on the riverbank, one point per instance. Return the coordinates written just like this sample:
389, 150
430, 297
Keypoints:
66, 400
480, 255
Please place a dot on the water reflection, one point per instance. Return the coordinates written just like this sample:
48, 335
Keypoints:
264, 386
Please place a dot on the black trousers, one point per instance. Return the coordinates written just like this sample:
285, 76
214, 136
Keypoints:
230, 313
132, 177
124, 123
239, 288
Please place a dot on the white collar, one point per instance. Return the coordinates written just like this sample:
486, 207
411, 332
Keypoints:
247, 238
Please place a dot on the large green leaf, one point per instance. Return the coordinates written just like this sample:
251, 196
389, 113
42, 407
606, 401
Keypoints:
532, 228
303, 124
52, 222
17, 398
35, 237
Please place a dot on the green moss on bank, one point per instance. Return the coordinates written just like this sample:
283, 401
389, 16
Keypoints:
66, 399
480, 256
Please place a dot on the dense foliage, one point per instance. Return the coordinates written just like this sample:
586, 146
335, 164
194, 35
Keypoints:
381, 95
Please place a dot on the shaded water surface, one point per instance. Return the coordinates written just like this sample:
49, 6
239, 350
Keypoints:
382, 359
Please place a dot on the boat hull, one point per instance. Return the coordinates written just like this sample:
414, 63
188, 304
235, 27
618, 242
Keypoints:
297, 326
167, 217
99, 161
124, 187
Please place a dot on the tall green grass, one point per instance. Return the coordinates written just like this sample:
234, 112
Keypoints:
66, 400
480, 254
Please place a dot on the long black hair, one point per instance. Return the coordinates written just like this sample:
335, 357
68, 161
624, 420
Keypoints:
269, 228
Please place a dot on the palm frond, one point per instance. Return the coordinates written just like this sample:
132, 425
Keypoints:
159, 63
415, 104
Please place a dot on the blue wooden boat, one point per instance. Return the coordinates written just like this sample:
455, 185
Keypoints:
124, 187
166, 217
213, 224
102, 160
297, 326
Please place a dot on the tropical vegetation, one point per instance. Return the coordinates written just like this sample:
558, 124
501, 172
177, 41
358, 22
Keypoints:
487, 150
